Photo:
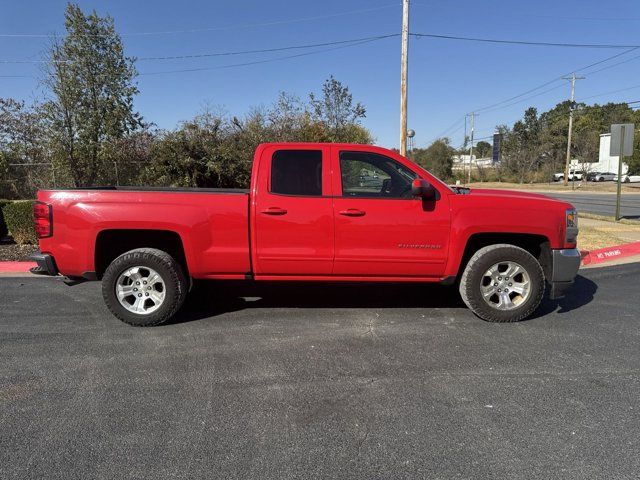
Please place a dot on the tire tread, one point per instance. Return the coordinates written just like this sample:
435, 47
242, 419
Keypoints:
177, 278
477, 305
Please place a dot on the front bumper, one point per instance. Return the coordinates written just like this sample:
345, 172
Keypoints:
564, 267
46, 264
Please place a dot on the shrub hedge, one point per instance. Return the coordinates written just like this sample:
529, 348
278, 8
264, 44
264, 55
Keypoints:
3, 226
18, 217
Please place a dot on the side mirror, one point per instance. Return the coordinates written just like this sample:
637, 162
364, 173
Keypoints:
423, 189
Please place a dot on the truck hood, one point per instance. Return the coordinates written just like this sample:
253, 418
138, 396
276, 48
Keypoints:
509, 193
516, 195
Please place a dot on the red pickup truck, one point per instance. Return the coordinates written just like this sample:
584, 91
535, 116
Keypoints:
314, 212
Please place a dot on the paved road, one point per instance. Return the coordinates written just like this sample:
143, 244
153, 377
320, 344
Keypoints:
320, 382
602, 203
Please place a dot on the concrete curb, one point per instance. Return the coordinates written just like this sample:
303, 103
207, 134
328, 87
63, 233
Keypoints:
610, 254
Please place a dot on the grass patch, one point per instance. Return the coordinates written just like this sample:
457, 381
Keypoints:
592, 238
599, 231
608, 187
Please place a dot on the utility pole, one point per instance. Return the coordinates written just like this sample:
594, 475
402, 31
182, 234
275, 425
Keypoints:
573, 79
473, 116
404, 66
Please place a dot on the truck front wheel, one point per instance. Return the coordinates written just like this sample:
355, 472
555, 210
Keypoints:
144, 287
502, 283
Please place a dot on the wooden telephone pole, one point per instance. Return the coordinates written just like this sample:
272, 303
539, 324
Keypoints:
404, 67
473, 117
573, 79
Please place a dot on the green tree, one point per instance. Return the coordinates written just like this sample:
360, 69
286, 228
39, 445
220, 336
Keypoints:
216, 149
92, 84
522, 146
201, 153
437, 158
336, 110
23, 150
482, 149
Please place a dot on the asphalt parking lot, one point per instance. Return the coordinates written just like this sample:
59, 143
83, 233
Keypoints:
320, 382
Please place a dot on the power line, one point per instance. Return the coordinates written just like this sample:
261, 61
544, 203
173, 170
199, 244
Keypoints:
453, 125
257, 62
510, 101
341, 45
215, 29
522, 42
501, 105
269, 50
600, 19
612, 91
615, 64
230, 53
550, 82
243, 64
417, 35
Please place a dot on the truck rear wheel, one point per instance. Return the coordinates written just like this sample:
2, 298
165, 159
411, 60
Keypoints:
144, 287
502, 283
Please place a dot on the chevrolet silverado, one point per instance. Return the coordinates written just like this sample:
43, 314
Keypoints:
313, 212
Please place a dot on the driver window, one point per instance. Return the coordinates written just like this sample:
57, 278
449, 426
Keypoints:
372, 175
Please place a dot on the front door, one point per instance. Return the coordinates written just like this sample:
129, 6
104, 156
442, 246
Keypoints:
380, 228
293, 212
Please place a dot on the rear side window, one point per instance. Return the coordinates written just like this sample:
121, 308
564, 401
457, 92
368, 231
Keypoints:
297, 172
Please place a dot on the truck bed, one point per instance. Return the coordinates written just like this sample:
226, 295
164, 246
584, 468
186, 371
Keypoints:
212, 224
242, 191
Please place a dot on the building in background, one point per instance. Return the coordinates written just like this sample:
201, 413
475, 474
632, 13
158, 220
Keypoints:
607, 163
461, 162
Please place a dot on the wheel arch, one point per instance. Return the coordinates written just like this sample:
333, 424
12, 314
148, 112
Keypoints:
537, 245
112, 243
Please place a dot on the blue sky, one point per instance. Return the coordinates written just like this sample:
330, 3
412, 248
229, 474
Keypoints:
446, 78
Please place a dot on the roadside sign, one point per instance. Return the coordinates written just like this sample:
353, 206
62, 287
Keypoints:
497, 138
616, 134
621, 146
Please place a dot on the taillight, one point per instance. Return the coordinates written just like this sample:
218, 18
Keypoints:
43, 219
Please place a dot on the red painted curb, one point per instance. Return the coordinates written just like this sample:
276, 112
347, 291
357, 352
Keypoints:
608, 254
16, 267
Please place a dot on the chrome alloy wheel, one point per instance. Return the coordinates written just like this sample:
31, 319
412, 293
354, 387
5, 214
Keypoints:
140, 290
505, 286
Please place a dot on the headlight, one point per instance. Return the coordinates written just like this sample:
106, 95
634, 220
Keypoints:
572, 218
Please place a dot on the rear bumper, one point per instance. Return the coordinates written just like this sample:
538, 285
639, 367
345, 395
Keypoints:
46, 264
564, 267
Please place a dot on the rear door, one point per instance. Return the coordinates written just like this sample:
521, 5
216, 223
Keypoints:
293, 212
380, 228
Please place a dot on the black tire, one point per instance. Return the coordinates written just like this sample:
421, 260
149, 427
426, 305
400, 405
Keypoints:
485, 258
601, 179
166, 266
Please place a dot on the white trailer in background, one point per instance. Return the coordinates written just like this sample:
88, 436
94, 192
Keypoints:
606, 162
